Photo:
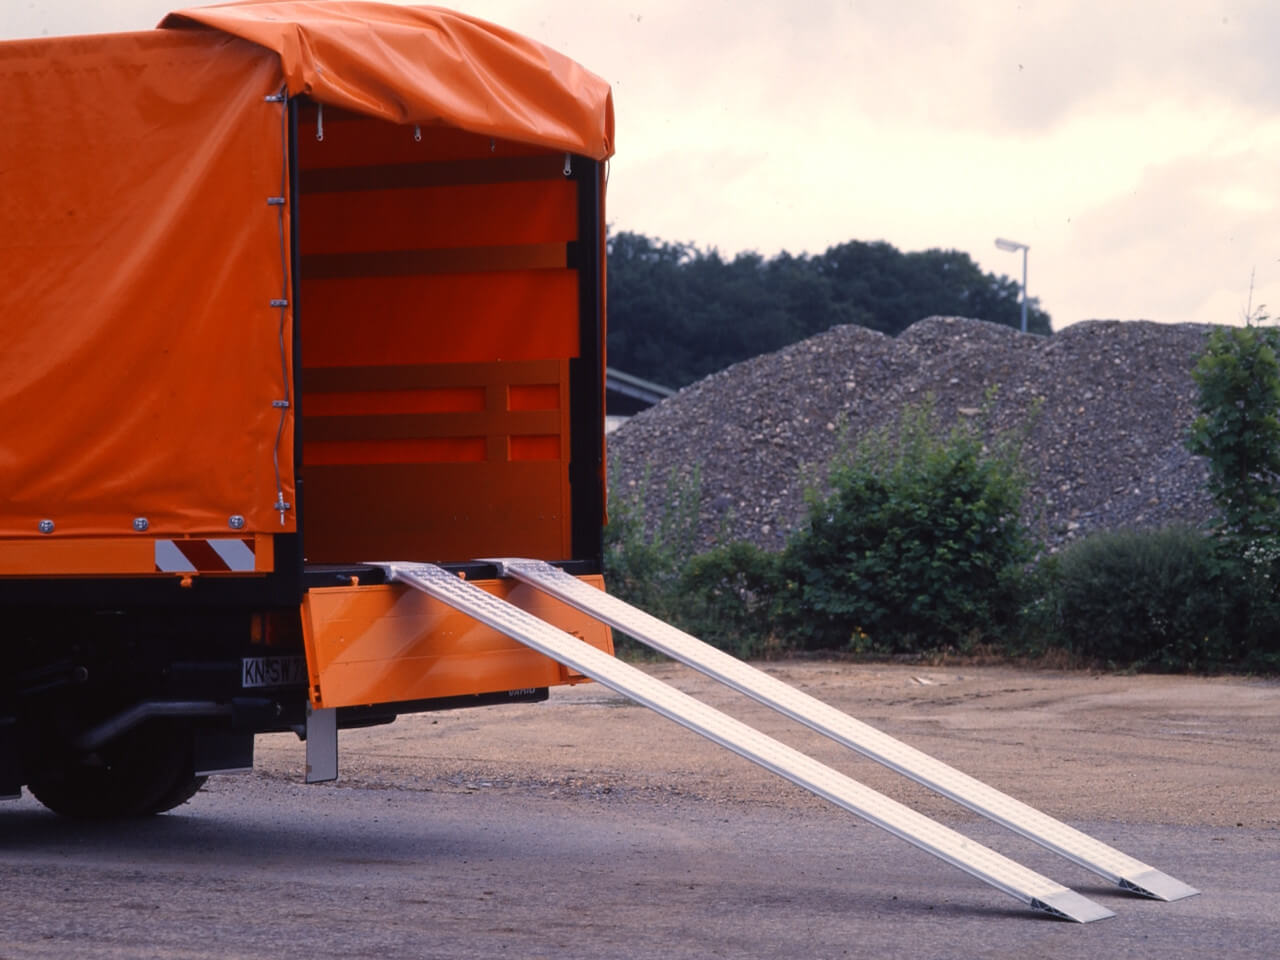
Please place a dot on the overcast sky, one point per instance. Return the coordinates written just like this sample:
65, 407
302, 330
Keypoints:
1133, 144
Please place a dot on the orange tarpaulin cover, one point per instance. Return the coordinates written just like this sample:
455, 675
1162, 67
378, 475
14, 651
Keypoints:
425, 65
144, 355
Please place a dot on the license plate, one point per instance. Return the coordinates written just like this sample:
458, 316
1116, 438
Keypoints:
273, 672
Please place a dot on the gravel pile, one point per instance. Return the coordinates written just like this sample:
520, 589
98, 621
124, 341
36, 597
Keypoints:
1105, 452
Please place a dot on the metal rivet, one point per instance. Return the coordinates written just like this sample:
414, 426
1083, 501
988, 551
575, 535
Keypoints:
140, 524
235, 522
46, 526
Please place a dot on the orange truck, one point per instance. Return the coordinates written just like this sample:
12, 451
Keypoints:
285, 288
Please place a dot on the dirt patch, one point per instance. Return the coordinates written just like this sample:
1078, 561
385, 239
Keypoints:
1158, 749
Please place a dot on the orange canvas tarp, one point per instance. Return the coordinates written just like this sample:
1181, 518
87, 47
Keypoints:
427, 66
142, 361
139, 352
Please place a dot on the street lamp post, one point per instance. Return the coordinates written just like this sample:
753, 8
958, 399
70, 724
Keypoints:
1013, 246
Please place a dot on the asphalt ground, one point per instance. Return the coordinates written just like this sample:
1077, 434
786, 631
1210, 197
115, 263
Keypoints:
588, 827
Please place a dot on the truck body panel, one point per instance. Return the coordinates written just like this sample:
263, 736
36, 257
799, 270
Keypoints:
279, 297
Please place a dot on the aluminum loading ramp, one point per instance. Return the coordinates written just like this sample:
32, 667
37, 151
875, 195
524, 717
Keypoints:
1121, 869
1038, 892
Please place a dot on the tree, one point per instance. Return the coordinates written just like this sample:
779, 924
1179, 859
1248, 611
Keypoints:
1238, 377
678, 313
1238, 430
897, 289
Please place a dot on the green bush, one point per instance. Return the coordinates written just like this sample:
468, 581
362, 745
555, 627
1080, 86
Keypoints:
643, 562
1168, 599
1251, 567
727, 596
1238, 431
1238, 377
723, 596
917, 547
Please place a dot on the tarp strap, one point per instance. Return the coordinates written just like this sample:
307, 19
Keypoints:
279, 202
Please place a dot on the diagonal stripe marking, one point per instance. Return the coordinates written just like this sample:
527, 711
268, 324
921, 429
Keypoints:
170, 559
236, 554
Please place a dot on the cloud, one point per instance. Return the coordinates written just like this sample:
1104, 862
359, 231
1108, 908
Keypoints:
1183, 243
1022, 67
37, 18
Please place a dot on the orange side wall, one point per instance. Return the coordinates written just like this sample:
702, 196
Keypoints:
438, 314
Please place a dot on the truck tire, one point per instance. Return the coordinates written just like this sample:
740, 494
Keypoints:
145, 771
182, 791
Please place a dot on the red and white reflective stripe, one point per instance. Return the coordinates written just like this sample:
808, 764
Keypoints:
205, 556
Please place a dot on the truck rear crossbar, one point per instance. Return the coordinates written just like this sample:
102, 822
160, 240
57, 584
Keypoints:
1037, 891
1119, 868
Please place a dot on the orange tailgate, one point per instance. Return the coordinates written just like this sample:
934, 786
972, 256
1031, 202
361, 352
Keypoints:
390, 644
